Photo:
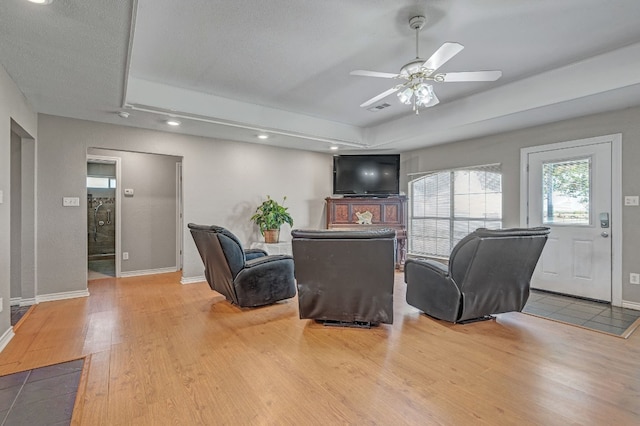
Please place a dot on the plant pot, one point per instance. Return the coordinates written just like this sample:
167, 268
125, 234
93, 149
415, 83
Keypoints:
271, 236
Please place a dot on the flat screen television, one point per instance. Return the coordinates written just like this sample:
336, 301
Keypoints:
366, 175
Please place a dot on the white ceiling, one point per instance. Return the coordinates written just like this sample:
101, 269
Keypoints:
231, 69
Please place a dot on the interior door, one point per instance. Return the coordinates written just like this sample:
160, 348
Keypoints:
569, 190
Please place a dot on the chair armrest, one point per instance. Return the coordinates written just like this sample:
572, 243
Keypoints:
431, 289
265, 259
254, 253
429, 265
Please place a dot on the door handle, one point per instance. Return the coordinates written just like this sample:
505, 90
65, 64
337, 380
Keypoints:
605, 234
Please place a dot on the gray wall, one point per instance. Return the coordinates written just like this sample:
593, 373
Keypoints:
149, 218
28, 218
13, 106
223, 182
505, 149
16, 215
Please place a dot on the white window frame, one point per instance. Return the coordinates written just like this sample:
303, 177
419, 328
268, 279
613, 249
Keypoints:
494, 222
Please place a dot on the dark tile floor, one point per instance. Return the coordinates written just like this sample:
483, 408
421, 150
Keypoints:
103, 268
43, 396
17, 312
585, 313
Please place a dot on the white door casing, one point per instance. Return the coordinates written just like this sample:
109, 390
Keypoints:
179, 219
578, 259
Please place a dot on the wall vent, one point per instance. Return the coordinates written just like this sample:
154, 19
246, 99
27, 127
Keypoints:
378, 107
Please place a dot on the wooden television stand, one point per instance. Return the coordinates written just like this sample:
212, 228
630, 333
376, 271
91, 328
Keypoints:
387, 212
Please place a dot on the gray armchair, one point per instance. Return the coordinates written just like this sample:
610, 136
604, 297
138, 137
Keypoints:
247, 278
345, 277
489, 272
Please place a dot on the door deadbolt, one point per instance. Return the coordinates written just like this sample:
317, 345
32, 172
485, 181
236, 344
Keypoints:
604, 220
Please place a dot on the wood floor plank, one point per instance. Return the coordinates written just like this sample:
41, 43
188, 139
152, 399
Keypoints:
165, 353
95, 398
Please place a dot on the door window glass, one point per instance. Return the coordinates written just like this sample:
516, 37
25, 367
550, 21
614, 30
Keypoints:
566, 192
100, 182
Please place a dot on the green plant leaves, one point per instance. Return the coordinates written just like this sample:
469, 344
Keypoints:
271, 215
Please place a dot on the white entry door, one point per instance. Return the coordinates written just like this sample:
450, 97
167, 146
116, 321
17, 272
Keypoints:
569, 190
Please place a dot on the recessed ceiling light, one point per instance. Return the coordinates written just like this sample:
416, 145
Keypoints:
42, 2
333, 148
263, 136
173, 122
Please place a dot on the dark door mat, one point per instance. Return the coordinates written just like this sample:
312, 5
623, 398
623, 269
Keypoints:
42, 396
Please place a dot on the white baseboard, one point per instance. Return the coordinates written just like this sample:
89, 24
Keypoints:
193, 280
61, 296
6, 338
147, 272
19, 301
631, 305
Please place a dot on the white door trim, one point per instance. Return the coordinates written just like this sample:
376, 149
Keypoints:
179, 219
616, 199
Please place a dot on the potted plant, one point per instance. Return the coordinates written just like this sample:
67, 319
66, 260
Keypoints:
269, 217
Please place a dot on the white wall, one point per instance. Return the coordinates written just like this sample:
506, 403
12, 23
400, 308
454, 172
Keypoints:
13, 106
223, 182
505, 149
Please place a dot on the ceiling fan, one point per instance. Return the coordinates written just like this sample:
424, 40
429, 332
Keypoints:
415, 90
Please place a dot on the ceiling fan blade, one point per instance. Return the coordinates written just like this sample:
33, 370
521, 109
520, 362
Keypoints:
380, 96
447, 51
366, 73
450, 77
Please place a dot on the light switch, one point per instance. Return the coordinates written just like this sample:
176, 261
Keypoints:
631, 200
70, 201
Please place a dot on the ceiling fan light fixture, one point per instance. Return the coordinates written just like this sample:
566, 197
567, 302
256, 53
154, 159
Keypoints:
424, 94
406, 95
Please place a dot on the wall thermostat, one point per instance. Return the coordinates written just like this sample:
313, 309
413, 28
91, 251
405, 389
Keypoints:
128, 192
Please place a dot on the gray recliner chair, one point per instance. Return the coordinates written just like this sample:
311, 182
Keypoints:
345, 277
489, 272
247, 278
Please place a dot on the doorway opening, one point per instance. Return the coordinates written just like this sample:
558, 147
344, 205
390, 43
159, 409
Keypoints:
102, 217
22, 236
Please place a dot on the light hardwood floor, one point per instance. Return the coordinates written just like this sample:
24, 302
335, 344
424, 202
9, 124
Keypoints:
158, 352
